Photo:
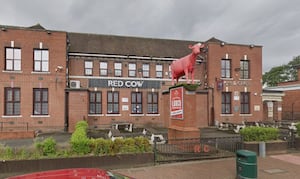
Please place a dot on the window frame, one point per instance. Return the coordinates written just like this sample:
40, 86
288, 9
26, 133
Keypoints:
245, 103
104, 70
15, 103
43, 103
226, 102
152, 103
41, 61
158, 71
226, 68
136, 102
132, 72
14, 59
244, 72
117, 70
113, 103
96, 104
146, 70
88, 71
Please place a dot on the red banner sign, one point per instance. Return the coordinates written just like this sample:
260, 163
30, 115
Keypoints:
176, 103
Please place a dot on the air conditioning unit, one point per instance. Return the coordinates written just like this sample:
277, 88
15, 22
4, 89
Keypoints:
74, 84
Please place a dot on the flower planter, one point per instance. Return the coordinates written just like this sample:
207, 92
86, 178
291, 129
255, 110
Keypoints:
272, 147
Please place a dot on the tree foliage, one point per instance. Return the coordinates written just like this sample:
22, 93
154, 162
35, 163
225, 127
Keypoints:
282, 73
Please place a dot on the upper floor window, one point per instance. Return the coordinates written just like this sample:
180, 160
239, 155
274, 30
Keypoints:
88, 68
40, 101
41, 60
225, 68
103, 68
159, 70
136, 103
226, 102
118, 69
244, 69
12, 100
132, 70
12, 59
245, 103
113, 102
95, 102
152, 103
146, 70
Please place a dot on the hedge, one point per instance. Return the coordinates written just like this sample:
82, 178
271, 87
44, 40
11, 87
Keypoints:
259, 133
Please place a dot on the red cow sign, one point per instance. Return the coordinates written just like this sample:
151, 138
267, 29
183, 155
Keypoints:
185, 65
176, 103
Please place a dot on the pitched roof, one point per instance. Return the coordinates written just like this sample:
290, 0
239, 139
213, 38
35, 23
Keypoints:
122, 45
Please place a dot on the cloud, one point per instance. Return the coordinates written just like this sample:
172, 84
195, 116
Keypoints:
270, 23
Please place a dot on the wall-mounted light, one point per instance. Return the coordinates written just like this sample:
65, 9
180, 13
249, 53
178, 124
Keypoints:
59, 68
222, 44
251, 46
3, 29
48, 32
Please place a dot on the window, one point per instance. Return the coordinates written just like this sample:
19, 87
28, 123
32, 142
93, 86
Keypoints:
136, 103
95, 106
146, 70
118, 69
12, 101
41, 60
244, 71
170, 72
40, 101
132, 70
152, 103
88, 68
103, 68
12, 59
245, 103
112, 102
226, 102
226, 68
159, 71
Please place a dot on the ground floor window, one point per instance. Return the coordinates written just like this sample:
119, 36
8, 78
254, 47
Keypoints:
152, 103
40, 101
95, 102
136, 103
226, 102
245, 103
12, 101
113, 102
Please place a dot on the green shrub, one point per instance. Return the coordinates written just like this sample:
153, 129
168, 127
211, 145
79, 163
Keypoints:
6, 153
101, 146
117, 144
143, 144
298, 128
46, 147
259, 133
80, 143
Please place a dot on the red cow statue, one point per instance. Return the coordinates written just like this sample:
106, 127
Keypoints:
185, 65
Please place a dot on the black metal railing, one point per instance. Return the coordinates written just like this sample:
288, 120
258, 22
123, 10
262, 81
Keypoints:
195, 149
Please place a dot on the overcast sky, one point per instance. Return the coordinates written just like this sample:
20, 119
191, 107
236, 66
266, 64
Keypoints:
273, 24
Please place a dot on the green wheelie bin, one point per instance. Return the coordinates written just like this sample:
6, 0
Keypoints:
246, 164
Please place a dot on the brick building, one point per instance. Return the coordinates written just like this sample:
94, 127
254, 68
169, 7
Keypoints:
107, 79
290, 103
32, 78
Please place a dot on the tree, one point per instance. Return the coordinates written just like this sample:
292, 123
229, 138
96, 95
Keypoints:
282, 73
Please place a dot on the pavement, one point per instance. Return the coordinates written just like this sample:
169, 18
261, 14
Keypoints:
283, 166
